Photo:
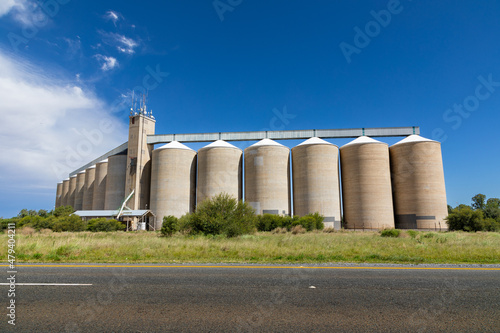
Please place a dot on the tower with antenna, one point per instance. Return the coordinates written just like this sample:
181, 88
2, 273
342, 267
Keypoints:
141, 124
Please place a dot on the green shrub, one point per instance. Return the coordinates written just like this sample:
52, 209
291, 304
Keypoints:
63, 211
390, 233
102, 224
466, 219
221, 214
69, 223
170, 225
298, 229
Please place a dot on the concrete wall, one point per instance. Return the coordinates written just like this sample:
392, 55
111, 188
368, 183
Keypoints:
79, 191
65, 193
115, 183
59, 194
315, 170
101, 175
219, 170
173, 182
366, 185
267, 177
418, 184
88, 193
72, 191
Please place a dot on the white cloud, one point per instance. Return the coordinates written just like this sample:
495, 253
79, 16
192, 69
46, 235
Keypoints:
48, 129
113, 16
122, 43
7, 5
107, 63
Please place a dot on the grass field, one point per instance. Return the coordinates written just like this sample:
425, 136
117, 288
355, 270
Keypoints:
312, 247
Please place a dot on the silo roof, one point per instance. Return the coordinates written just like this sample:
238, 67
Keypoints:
362, 140
74, 176
267, 142
414, 138
315, 141
103, 161
174, 145
91, 167
220, 144
81, 172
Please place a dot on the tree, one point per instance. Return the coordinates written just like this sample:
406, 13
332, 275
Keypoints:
478, 201
492, 209
466, 219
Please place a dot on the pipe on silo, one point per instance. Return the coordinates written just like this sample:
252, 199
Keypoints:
366, 184
316, 189
418, 184
267, 177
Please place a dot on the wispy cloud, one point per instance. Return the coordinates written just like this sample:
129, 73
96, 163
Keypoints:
28, 13
43, 122
7, 5
107, 63
113, 16
122, 43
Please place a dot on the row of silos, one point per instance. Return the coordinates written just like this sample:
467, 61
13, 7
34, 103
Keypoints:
99, 187
414, 198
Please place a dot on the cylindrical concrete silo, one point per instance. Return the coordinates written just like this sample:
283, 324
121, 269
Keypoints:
80, 187
88, 193
173, 181
366, 184
65, 192
267, 177
101, 175
418, 184
72, 191
219, 171
115, 184
315, 171
59, 194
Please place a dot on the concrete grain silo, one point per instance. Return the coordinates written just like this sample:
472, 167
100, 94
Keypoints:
418, 184
315, 166
173, 181
79, 190
59, 194
88, 193
219, 170
366, 184
101, 175
72, 191
267, 177
115, 183
65, 192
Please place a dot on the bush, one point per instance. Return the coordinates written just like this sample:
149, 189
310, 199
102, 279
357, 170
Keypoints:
466, 219
69, 223
63, 211
269, 222
390, 233
221, 214
279, 231
298, 229
413, 234
170, 225
102, 224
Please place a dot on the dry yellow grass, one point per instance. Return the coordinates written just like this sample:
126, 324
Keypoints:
311, 247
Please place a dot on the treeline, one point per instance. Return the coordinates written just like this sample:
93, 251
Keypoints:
60, 219
481, 215
224, 215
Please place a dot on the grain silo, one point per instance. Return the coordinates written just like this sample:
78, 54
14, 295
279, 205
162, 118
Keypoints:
59, 194
115, 183
315, 166
65, 192
418, 184
88, 193
173, 181
80, 187
366, 184
219, 170
267, 177
101, 175
72, 191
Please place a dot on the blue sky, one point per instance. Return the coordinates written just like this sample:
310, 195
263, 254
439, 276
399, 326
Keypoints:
67, 70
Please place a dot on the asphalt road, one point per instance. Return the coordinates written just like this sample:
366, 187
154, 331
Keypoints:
253, 299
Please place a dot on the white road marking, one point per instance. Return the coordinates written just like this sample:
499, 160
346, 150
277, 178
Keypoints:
46, 284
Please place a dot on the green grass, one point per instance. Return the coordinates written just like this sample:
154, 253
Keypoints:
311, 247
